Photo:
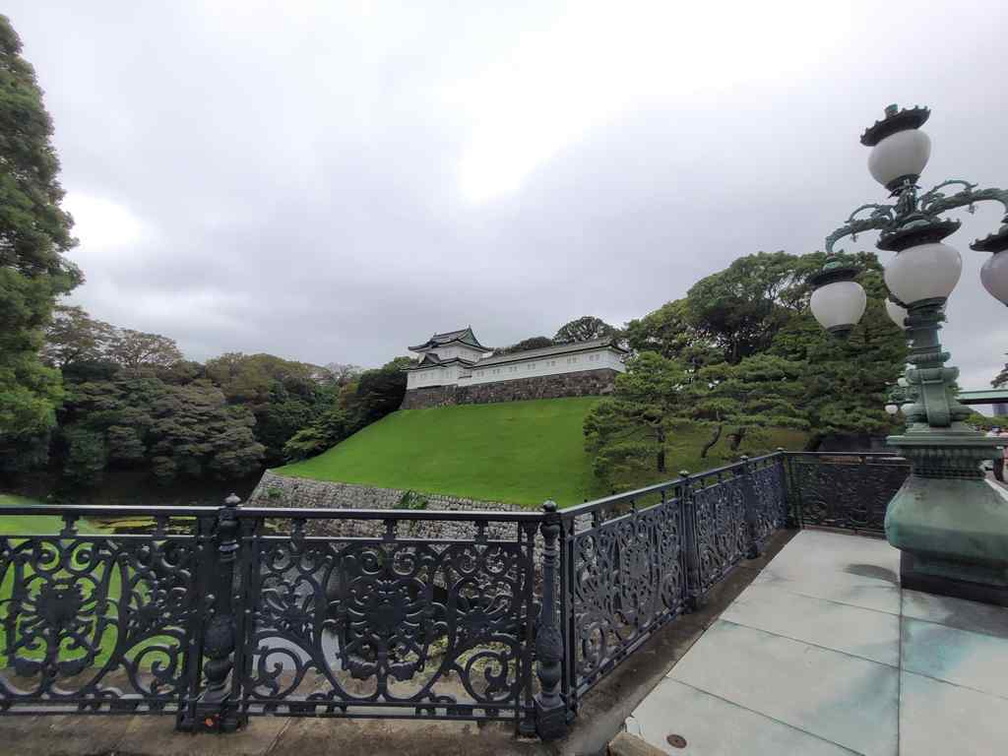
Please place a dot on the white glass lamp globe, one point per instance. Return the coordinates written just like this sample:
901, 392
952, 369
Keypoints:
838, 306
896, 313
904, 153
994, 276
927, 271
892, 409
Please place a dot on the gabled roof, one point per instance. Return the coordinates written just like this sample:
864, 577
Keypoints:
432, 360
574, 346
462, 336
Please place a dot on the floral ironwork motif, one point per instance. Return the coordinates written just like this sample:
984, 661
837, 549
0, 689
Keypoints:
95, 623
769, 505
628, 578
439, 628
845, 491
721, 531
237, 612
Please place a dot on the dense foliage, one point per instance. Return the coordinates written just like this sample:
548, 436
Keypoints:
585, 328
132, 402
34, 235
740, 354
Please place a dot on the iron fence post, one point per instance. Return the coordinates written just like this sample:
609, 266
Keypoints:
790, 508
214, 711
691, 559
751, 502
550, 710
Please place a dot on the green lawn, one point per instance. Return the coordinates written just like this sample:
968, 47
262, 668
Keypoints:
517, 452
11, 525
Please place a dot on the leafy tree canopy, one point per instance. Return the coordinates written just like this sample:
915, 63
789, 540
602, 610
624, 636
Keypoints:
34, 235
533, 342
741, 308
584, 328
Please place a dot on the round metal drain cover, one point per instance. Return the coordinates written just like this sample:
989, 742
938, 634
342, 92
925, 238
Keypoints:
676, 741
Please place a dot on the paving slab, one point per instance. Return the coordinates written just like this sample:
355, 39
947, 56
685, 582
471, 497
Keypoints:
825, 552
65, 735
851, 629
810, 645
841, 698
955, 612
712, 726
961, 657
848, 569
938, 718
145, 735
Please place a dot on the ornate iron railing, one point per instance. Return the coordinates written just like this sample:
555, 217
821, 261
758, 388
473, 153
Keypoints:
218, 614
390, 625
843, 490
95, 623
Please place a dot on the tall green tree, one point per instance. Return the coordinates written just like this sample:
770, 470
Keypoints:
631, 428
285, 396
585, 328
136, 351
762, 391
742, 307
73, 337
845, 382
34, 235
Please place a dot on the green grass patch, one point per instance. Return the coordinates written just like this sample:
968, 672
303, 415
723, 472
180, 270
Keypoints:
106, 574
15, 525
684, 447
516, 452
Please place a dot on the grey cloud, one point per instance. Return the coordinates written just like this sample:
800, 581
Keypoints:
301, 171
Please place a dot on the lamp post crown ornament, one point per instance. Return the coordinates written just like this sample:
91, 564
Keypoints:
951, 527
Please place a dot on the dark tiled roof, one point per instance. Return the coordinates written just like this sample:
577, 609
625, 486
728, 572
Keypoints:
463, 335
575, 346
432, 360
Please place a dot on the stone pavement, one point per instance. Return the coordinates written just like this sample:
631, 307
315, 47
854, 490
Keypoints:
824, 654
266, 736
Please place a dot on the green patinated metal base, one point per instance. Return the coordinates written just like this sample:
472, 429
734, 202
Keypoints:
950, 524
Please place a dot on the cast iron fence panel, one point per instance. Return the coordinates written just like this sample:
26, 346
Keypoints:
627, 578
100, 623
720, 525
389, 626
847, 491
218, 613
769, 503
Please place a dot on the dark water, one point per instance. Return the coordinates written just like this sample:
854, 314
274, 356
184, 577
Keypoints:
126, 488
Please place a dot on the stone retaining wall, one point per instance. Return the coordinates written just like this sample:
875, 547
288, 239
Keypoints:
287, 492
582, 383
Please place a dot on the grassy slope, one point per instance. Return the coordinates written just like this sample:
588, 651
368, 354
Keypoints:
520, 452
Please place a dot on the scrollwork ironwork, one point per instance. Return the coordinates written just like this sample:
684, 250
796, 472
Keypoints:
429, 628
93, 623
628, 579
769, 504
849, 491
720, 527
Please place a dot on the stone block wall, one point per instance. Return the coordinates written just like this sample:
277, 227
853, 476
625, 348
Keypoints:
287, 492
581, 383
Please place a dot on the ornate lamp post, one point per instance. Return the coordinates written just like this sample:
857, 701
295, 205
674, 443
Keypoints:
951, 527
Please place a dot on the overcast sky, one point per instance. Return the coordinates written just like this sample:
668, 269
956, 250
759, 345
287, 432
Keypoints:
333, 181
